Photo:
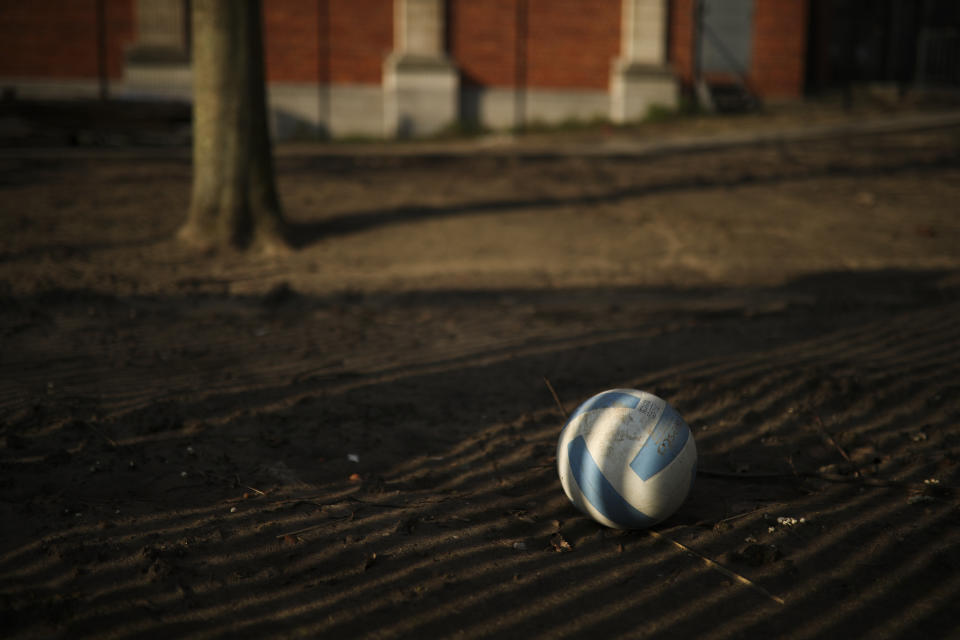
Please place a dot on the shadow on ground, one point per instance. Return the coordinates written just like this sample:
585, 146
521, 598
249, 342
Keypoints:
787, 165
178, 465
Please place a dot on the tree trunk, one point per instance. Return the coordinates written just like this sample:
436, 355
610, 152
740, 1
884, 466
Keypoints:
234, 201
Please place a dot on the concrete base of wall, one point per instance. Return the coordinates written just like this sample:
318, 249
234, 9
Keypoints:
557, 106
52, 88
172, 81
501, 108
635, 88
356, 110
300, 111
417, 105
489, 108
420, 95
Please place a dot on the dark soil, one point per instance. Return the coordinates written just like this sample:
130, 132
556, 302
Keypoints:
357, 439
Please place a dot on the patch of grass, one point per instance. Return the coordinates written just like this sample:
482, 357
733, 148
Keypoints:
357, 138
686, 107
461, 129
569, 125
660, 113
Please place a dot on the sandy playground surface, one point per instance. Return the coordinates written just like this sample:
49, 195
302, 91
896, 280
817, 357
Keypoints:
356, 440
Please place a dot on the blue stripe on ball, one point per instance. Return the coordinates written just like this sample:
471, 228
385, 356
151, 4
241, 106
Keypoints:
598, 490
606, 400
664, 444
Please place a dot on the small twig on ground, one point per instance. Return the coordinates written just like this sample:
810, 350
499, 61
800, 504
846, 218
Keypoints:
299, 531
556, 398
707, 473
246, 486
235, 480
793, 468
255, 490
829, 438
880, 482
718, 567
744, 514
828, 477
349, 516
113, 443
385, 505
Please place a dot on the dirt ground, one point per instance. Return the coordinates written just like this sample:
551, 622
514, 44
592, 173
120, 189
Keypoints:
357, 440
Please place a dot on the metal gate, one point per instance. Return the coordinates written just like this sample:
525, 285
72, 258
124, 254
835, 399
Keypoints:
724, 44
726, 36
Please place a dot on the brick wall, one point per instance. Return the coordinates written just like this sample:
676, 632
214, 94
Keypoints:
482, 39
779, 47
361, 36
571, 43
681, 39
291, 40
343, 41
58, 39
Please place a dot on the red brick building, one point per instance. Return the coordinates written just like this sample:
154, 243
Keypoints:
386, 67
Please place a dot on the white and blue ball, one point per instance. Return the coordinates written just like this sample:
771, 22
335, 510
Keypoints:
626, 458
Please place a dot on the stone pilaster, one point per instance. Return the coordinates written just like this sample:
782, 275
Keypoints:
158, 62
420, 84
161, 31
640, 77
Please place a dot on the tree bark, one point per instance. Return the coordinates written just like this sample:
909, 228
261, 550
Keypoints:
234, 201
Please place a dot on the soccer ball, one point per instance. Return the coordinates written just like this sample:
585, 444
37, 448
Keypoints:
626, 458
